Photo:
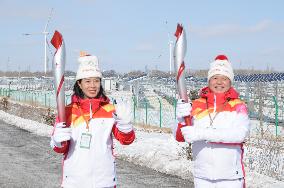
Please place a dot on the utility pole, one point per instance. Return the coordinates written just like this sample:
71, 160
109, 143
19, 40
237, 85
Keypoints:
7, 66
170, 43
171, 54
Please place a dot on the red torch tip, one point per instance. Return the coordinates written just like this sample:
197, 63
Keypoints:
56, 40
179, 30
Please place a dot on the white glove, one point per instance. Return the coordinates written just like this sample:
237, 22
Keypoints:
61, 133
192, 134
122, 116
183, 109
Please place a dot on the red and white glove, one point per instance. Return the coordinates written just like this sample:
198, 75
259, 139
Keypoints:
183, 109
61, 133
122, 117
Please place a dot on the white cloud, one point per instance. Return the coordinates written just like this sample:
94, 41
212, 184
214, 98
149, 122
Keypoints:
88, 1
259, 27
272, 52
234, 29
16, 13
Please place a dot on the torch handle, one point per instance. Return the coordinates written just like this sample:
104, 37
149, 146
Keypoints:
58, 69
179, 54
187, 120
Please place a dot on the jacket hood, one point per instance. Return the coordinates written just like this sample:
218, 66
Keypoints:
219, 97
86, 103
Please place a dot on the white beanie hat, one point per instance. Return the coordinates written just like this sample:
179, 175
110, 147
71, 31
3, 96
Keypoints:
222, 66
88, 67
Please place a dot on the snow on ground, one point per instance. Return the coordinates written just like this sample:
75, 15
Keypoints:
152, 149
268, 128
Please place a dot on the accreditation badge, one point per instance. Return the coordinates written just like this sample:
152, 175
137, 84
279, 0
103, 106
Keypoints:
85, 140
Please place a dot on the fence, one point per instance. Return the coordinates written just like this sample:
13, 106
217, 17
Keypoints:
265, 103
157, 108
33, 97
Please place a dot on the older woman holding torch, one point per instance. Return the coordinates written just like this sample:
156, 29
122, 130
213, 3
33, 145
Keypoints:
218, 127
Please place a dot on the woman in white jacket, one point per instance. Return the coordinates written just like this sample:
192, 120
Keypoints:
218, 127
86, 138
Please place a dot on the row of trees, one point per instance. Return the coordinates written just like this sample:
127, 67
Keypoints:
113, 73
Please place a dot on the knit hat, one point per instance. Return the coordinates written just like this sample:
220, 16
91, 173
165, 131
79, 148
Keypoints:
222, 66
88, 67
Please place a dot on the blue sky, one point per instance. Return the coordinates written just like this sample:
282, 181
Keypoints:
131, 35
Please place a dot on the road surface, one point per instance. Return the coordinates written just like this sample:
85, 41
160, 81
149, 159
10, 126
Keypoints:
27, 161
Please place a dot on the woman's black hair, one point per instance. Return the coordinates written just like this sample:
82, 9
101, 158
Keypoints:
78, 91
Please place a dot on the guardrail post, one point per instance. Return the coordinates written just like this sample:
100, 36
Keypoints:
146, 111
175, 107
134, 108
276, 115
160, 112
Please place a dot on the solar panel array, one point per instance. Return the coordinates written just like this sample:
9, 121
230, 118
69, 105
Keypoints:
260, 77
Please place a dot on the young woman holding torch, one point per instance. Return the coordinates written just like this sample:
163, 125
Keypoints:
86, 136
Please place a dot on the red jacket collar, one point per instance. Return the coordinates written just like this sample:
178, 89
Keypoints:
220, 97
85, 103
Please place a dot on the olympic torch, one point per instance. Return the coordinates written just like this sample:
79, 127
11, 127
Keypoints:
58, 70
179, 54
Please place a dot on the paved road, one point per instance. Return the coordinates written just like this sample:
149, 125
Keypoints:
26, 161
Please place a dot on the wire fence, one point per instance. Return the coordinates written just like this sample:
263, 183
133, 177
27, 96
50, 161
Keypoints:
154, 99
157, 108
154, 103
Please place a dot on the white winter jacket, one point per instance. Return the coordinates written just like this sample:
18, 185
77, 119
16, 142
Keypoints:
88, 156
219, 153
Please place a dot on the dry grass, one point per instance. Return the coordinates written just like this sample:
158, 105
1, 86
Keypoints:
150, 128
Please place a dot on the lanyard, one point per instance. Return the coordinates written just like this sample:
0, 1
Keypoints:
91, 115
212, 119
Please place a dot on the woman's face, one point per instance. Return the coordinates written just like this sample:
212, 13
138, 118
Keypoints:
90, 86
219, 83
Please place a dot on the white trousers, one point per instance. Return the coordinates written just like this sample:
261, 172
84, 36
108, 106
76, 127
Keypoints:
204, 183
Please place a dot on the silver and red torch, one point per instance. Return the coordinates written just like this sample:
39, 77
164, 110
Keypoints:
58, 70
179, 54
